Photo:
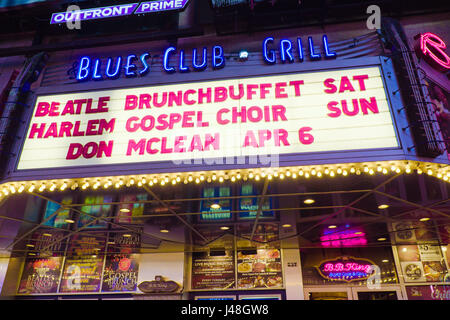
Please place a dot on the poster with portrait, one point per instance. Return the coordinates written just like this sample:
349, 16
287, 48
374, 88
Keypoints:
84, 263
40, 275
260, 270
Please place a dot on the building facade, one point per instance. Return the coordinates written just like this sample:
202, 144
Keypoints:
225, 150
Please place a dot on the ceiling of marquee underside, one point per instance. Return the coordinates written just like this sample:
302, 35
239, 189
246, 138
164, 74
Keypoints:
350, 205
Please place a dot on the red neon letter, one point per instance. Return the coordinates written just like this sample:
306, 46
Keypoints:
431, 44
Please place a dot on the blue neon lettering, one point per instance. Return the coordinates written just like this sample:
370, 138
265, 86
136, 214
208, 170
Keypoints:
300, 49
285, 50
183, 67
143, 59
115, 74
166, 59
83, 68
328, 53
272, 58
313, 55
218, 60
129, 67
195, 65
96, 74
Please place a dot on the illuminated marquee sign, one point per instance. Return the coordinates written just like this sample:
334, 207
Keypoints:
136, 65
292, 113
432, 48
346, 269
118, 10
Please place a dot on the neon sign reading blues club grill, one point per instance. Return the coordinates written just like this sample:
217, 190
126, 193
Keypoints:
134, 65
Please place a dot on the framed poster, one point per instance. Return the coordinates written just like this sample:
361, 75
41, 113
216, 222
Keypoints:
213, 272
122, 264
120, 273
83, 264
40, 275
260, 270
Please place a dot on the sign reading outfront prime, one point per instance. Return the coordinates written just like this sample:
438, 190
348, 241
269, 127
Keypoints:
292, 113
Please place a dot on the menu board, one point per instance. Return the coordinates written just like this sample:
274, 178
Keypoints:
40, 275
421, 260
213, 272
94, 210
260, 270
127, 211
121, 266
83, 265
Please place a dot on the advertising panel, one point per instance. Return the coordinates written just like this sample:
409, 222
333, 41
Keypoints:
260, 270
122, 264
295, 113
40, 275
83, 265
213, 272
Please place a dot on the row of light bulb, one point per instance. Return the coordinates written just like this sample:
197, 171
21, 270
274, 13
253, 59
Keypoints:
432, 169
